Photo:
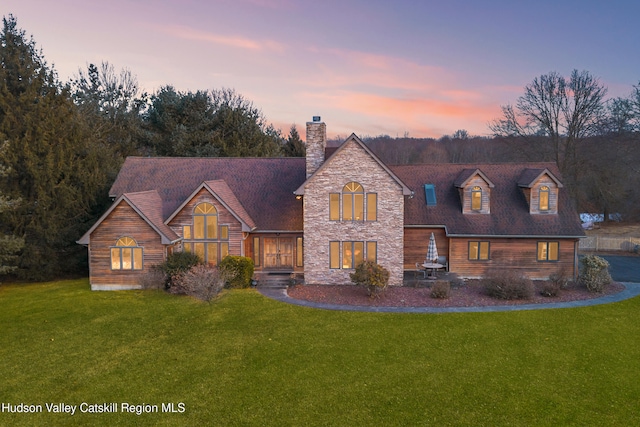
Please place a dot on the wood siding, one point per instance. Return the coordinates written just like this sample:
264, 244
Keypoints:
514, 254
416, 242
122, 221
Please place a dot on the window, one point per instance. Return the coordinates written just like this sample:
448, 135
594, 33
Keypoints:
299, 252
548, 251
334, 255
544, 198
353, 253
430, 194
372, 207
334, 206
478, 251
206, 238
372, 251
353, 204
256, 251
476, 198
126, 255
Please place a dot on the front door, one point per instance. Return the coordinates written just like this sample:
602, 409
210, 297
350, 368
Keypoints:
278, 252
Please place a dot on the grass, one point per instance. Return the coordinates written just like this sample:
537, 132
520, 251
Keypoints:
247, 360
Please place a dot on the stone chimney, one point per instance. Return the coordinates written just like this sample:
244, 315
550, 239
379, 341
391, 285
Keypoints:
316, 143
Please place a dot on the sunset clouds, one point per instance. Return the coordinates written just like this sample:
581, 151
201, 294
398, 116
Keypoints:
371, 67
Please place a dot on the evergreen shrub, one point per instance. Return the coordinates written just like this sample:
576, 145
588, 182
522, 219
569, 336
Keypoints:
238, 271
594, 273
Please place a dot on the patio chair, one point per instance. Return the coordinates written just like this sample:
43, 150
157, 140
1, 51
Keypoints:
420, 272
443, 260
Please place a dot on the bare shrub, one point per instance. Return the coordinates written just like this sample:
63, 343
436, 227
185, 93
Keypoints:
550, 288
441, 290
507, 285
152, 279
199, 282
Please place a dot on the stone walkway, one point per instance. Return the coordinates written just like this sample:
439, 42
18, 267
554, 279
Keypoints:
631, 290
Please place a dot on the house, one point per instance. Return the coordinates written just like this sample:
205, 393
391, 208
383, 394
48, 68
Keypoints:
321, 215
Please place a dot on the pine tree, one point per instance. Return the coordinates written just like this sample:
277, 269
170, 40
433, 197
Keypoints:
294, 146
54, 166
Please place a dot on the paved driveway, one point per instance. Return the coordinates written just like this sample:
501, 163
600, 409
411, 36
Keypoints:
624, 268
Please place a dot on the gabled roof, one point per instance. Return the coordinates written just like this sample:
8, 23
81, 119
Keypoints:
529, 177
262, 186
148, 205
509, 215
353, 138
466, 174
221, 191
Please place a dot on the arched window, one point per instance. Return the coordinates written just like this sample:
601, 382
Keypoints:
544, 198
126, 255
476, 198
353, 202
206, 238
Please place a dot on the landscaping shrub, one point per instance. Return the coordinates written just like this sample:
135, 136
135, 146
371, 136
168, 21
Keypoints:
594, 273
199, 281
176, 264
372, 276
238, 271
550, 288
441, 289
153, 279
507, 285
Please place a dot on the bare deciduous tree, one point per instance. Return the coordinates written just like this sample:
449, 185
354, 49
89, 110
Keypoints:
564, 110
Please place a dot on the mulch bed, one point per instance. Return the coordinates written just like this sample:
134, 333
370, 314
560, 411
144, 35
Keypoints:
468, 295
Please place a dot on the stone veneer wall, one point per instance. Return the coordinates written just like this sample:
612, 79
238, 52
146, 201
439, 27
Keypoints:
315, 145
352, 163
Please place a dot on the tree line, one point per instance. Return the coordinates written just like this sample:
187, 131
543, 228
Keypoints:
62, 144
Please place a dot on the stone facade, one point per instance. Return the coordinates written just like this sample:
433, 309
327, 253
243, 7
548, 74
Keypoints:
352, 163
315, 145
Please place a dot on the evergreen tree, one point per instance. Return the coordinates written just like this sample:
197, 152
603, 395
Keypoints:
54, 166
112, 104
10, 245
294, 146
218, 123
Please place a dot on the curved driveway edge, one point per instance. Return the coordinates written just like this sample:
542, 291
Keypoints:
630, 290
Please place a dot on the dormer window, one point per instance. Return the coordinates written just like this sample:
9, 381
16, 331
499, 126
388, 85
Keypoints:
544, 198
476, 198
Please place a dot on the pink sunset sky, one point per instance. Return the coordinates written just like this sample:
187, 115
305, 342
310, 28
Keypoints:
416, 68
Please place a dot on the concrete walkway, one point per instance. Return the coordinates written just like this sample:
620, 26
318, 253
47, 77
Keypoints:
631, 290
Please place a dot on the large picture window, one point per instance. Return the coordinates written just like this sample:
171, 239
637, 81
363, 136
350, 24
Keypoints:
355, 203
548, 251
347, 255
206, 238
126, 255
478, 251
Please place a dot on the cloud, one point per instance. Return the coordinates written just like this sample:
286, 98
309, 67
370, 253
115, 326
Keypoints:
238, 42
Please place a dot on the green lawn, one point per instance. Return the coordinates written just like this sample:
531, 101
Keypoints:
248, 360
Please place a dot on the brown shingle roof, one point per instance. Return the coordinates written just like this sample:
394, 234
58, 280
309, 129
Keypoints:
149, 204
263, 186
509, 210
